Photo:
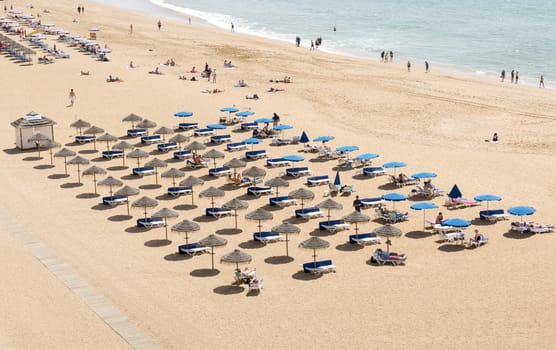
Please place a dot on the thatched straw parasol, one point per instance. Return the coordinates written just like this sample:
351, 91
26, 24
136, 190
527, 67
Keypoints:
127, 191
329, 204
164, 131
79, 125
93, 130
191, 181
235, 204
49, 144
179, 139
276, 183
107, 138
65, 153
132, 118
235, 164
145, 202
94, 170
355, 218
286, 228
212, 241
213, 154
138, 154
186, 226
78, 160
314, 243
302, 194
254, 172
146, 124
38, 138
122, 146
212, 192
236, 257
388, 231
259, 215
156, 163
111, 181
166, 213
173, 173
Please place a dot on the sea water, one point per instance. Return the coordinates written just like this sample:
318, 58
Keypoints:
474, 37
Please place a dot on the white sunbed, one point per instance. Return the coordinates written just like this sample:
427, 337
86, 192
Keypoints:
477, 243
452, 236
256, 286
364, 239
333, 228
277, 162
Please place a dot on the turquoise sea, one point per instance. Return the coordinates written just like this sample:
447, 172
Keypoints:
474, 37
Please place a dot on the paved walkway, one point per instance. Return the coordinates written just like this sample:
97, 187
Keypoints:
96, 302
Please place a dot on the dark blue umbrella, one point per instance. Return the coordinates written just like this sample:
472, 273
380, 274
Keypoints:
366, 156
304, 138
394, 197
216, 126
323, 138
283, 127
487, 198
244, 114
424, 175
337, 181
294, 158
455, 192
183, 114
521, 211
456, 222
263, 120
346, 149
229, 109
423, 206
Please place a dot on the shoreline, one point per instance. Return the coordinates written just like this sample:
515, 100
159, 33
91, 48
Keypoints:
171, 12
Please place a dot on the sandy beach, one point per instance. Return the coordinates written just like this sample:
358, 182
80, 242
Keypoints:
498, 296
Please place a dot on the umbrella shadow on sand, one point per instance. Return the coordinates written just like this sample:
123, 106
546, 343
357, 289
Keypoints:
388, 186
119, 218
43, 166
185, 207
32, 158
302, 276
71, 185
250, 244
136, 229
102, 207
348, 247
229, 231
418, 234
228, 289
130, 177
318, 233
451, 248
150, 187
58, 176
517, 235
177, 257
156, 243
204, 218
479, 222
278, 260
87, 195
117, 168
87, 151
204, 272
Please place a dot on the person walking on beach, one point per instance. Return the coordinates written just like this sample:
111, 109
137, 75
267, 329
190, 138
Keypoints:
516, 76
130, 28
213, 73
382, 56
79, 10
408, 66
391, 56
512, 75
72, 97
541, 83
426, 66
297, 41
357, 204
312, 45
502, 75
159, 24
233, 27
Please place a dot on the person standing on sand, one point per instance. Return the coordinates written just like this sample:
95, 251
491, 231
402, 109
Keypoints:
130, 28
159, 24
213, 76
357, 204
541, 83
78, 10
391, 56
516, 76
408, 66
233, 27
512, 75
502, 75
72, 97
426, 66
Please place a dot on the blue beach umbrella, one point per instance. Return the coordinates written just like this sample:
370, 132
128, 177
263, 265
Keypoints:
216, 126
283, 127
456, 222
252, 141
323, 138
229, 109
487, 198
424, 175
294, 158
366, 156
263, 120
455, 192
521, 211
394, 197
183, 114
347, 149
244, 114
394, 165
337, 181
304, 138
423, 206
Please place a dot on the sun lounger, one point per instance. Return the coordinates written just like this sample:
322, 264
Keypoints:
136, 132
282, 201
319, 267
114, 200
112, 154
329, 154
308, 213
202, 164
258, 154
451, 236
218, 212
493, 215
236, 146
298, 171
150, 222
333, 226
364, 239
390, 216
142, 171
277, 162
418, 191
280, 142
179, 190
439, 228
374, 171
259, 190
218, 139
371, 202
408, 181
267, 237
188, 126
151, 139
185, 154
85, 138
318, 180
530, 227
192, 249
256, 285
165, 147
203, 132
381, 257
220, 171
461, 202
249, 126
474, 243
